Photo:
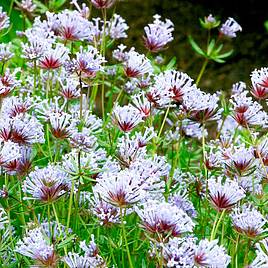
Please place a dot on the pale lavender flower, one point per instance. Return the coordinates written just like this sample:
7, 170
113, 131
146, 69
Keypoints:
84, 11
164, 219
106, 213
8, 82
209, 254
87, 62
5, 52
62, 125
46, 184
4, 19
238, 87
246, 112
69, 88
36, 246
3, 219
117, 27
240, 161
182, 201
158, 34
26, 129
126, 117
119, 53
9, 151
72, 26
137, 64
224, 194
248, 221
261, 260
259, 80
142, 104
230, 27
53, 58
179, 252
27, 6
74, 260
122, 189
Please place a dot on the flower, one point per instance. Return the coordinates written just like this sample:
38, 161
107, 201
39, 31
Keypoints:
74, 260
62, 125
84, 11
164, 219
240, 161
5, 52
8, 82
119, 53
248, 221
72, 26
230, 27
53, 58
47, 184
9, 151
137, 64
4, 19
246, 112
3, 218
69, 89
126, 117
224, 194
87, 63
179, 252
106, 213
142, 104
158, 34
121, 189
259, 80
27, 6
117, 27
35, 245
26, 129
261, 260
209, 254
102, 4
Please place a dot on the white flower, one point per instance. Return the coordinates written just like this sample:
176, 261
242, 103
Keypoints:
224, 194
261, 260
158, 34
209, 254
3, 218
248, 220
5, 52
121, 189
126, 117
137, 64
4, 19
230, 27
117, 27
46, 184
164, 219
35, 245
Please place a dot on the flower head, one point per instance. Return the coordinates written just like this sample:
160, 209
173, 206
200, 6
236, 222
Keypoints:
35, 245
224, 194
230, 27
47, 184
4, 19
102, 4
158, 34
248, 221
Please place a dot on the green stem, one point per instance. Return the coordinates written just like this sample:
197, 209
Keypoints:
125, 238
216, 226
203, 68
163, 123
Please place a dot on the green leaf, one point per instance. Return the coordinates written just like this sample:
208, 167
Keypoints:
196, 48
266, 25
211, 47
219, 60
171, 63
225, 55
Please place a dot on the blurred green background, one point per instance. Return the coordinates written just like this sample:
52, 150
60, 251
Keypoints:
251, 45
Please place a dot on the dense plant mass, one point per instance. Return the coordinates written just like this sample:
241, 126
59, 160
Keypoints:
114, 158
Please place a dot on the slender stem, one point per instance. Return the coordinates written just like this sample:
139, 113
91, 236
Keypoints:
213, 234
203, 68
163, 123
81, 97
125, 237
